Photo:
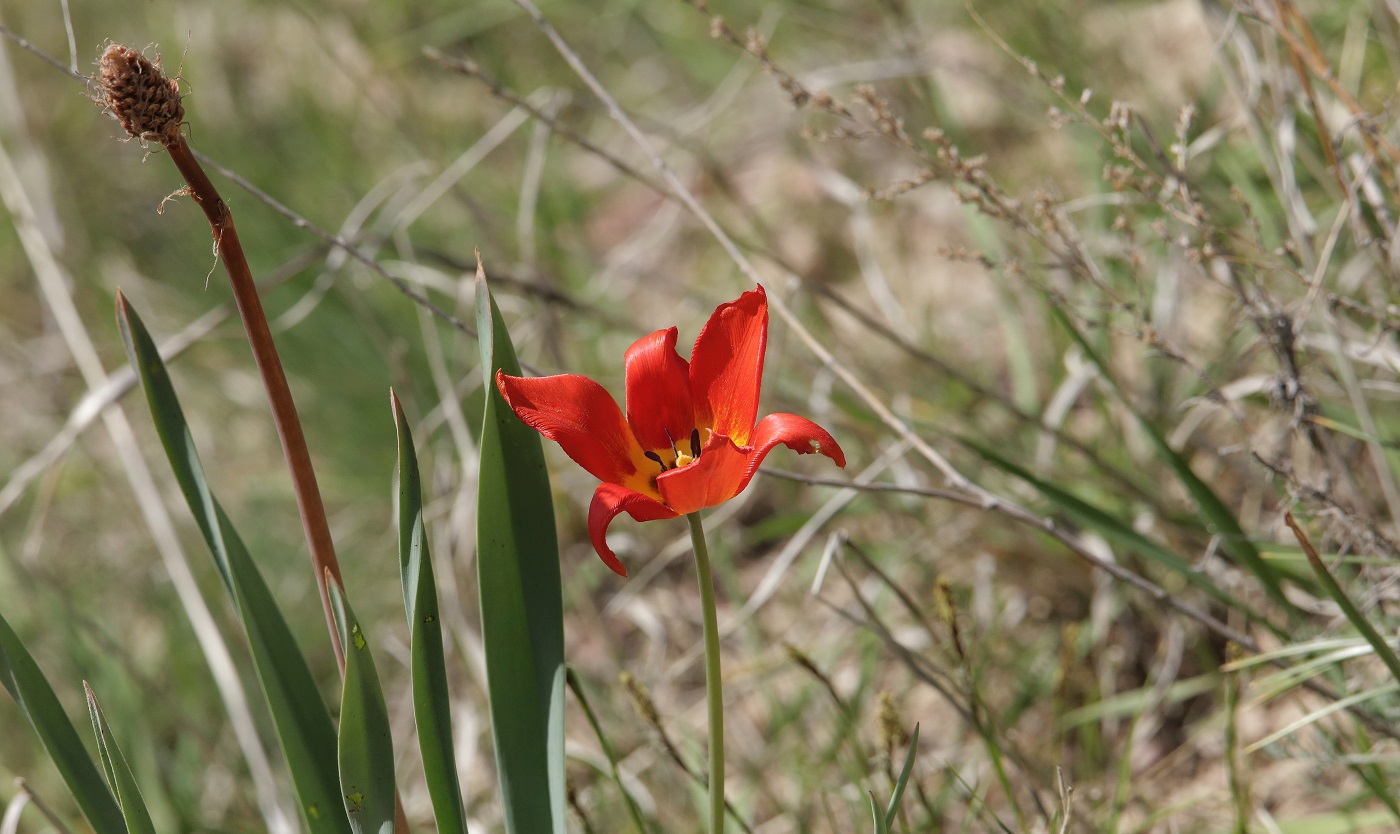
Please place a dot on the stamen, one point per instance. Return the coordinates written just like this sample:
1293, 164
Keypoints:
655, 457
674, 450
695, 443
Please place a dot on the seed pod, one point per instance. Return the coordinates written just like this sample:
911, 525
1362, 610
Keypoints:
139, 95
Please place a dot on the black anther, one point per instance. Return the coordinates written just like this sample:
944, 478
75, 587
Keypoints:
695, 443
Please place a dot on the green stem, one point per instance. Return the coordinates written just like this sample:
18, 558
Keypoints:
714, 687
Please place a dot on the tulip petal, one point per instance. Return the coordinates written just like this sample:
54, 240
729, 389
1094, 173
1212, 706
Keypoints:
582, 417
726, 367
723, 469
658, 392
608, 501
715, 477
798, 434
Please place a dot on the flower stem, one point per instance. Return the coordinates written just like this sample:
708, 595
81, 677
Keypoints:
714, 687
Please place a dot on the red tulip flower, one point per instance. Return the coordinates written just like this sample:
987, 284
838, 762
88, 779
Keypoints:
688, 440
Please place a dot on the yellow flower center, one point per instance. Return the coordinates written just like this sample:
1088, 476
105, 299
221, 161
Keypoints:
672, 457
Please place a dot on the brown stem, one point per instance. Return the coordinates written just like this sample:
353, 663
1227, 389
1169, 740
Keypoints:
284, 411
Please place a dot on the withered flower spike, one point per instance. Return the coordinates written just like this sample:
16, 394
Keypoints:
139, 95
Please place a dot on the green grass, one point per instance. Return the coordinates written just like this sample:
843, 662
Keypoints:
1093, 339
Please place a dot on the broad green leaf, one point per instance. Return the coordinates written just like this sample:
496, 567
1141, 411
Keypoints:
22, 678
517, 567
431, 703
366, 744
903, 781
303, 724
133, 807
1219, 518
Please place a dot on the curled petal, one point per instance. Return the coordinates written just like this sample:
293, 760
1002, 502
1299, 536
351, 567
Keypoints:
608, 501
724, 469
798, 434
580, 415
715, 477
658, 391
726, 367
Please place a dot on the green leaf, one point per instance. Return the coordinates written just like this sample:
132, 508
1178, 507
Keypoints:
876, 816
21, 677
303, 724
431, 703
366, 743
133, 807
517, 567
1220, 520
903, 780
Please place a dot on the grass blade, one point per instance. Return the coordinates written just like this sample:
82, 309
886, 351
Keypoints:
521, 601
133, 807
632, 810
303, 724
1117, 532
22, 678
431, 703
1314, 716
366, 750
903, 781
1349, 609
1218, 516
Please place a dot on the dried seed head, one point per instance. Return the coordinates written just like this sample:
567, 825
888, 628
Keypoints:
892, 732
641, 698
139, 95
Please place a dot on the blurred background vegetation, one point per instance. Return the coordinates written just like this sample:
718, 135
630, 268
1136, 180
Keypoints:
1076, 247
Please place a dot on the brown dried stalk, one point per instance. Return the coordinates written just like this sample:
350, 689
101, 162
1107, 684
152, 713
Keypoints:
138, 94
